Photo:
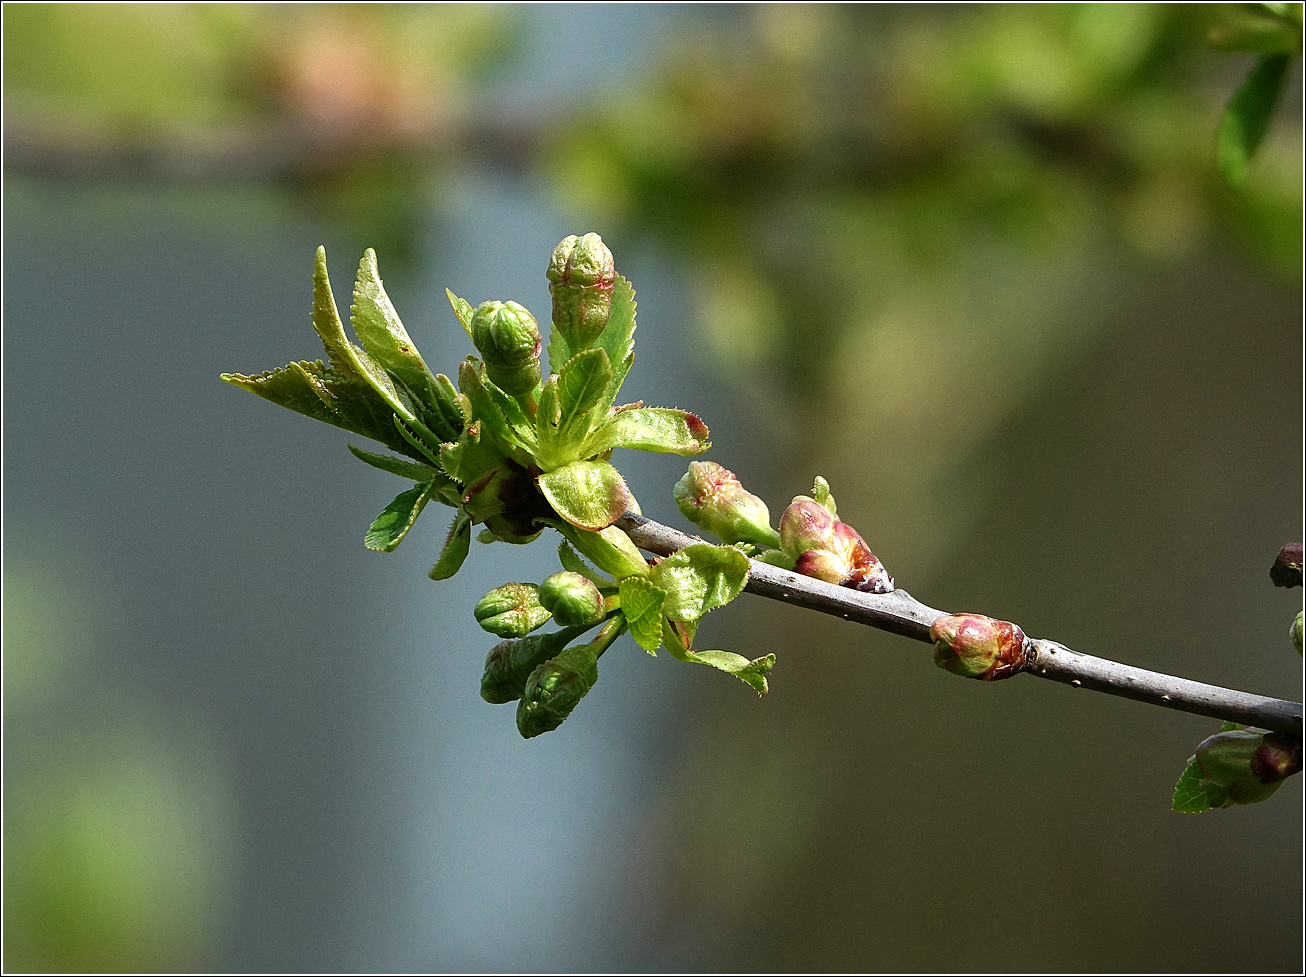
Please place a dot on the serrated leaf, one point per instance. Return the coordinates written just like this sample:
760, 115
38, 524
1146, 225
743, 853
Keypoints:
463, 310
345, 357
1247, 118
570, 561
1194, 794
611, 550
456, 546
641, 603
588, 494
665, 430
474, 384
582, 382
617, 338
548, 414
752, 673
398, 466
414, 442
391, 526
699, 578
379, 329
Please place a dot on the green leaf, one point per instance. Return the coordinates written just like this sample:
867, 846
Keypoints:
510, 441
414, 442
1194, 793
1262, 28
617, 338
1247, 118
548, 415
383, 335
641, 603
821, 494
463, 309
588, 494
456, 546
662, 429
610, 549
391, 526
582, 382
752, 673
345, 357
699, 578
570, 561
1229, 726
398, 466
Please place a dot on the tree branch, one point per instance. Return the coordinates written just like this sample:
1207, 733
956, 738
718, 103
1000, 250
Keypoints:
902, 614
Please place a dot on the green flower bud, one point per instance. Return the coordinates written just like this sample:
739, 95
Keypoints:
1294, 632
510, 663
976, 646
573, 600
509, 341
581, 278
1226, 758
713, 498
512, 611
829, 550
555, 688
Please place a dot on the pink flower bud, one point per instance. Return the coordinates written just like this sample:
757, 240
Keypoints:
976, 646
712, 497
829, 550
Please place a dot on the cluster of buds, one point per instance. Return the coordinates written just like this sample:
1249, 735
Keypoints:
976, 646
581, 276
821, 546
1250, 763
714, 499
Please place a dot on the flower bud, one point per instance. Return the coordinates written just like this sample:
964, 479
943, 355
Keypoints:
1277, 758
829, 550
1294, 632
1226, 757
511, 611
713, 498
509, 341
510, 663
573, 599
581, 278
1287, 568
554, 689
979, 647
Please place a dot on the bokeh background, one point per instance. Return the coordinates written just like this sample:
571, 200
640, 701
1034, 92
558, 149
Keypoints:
974, 265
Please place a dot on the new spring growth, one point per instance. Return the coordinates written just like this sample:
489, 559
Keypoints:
581, 278
976, 646
573, 599
556, 686
827, 549
513, 610
510, 663
508, 339
714, 499
1249, 762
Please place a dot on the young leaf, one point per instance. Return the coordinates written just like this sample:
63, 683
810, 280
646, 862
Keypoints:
617, 338
383, 335
588, 494
752, 673
662, 429
345, 357
456, 546
581, 384
1247, 118
506, 437
398, 466
1194, 794
610, 549
391, 526
463, 309
570, 561
548, 414
699, 578
641, 603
